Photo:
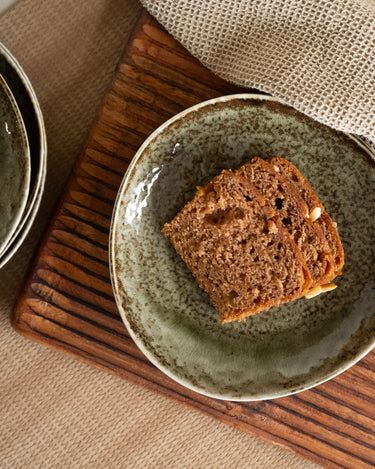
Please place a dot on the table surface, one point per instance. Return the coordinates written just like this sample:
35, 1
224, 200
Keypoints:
67, 302
58, 411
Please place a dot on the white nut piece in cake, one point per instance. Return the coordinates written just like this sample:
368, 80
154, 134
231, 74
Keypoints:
320, 289
315, 213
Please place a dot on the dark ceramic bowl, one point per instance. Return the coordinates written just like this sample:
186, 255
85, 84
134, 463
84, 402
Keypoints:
28, 105
15, 165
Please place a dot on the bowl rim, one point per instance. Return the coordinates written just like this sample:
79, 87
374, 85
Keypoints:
27, 160
33, 205
346, 364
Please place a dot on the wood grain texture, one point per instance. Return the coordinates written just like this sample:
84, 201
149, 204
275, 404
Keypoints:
67, 300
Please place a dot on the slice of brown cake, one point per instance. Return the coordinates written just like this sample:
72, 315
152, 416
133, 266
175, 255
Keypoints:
316, 209
237, 248
294, 214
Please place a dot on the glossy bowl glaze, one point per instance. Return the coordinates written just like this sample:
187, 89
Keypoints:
29, 107
275, 353
15, 165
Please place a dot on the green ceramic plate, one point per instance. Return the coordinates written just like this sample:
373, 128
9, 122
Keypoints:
27, 101
285, 349
15, 165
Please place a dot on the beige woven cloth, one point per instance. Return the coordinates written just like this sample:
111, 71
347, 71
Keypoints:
56, 412
317, 55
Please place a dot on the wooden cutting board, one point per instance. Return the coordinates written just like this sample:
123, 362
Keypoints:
67, 300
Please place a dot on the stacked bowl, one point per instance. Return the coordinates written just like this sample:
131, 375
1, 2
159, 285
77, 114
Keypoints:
23, 155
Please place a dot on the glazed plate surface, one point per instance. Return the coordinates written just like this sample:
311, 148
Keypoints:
28, 105
15, 164
275, 353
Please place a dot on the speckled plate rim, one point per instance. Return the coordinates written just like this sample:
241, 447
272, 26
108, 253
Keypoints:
24, 195
36, 196
346, 364
16, 242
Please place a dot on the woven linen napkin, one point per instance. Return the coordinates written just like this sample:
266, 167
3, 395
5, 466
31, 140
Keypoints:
316, 55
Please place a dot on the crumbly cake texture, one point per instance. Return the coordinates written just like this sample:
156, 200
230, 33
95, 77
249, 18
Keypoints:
236, 246
256, 238
295, 216
313, 203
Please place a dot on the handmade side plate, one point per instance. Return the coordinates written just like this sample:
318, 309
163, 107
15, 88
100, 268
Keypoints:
28, 105
275, 353
15, 165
